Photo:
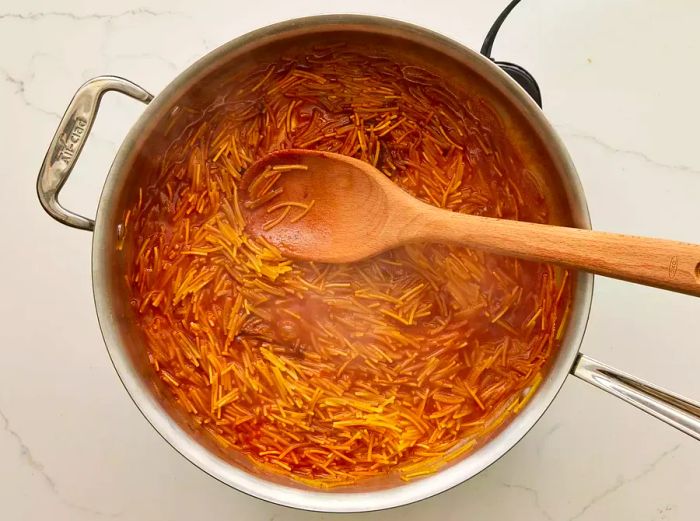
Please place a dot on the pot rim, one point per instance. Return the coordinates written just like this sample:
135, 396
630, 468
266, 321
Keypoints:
335, 501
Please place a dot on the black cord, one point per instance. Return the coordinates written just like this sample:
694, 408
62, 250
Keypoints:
491, 35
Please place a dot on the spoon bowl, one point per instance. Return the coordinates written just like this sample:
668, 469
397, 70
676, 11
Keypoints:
353, 215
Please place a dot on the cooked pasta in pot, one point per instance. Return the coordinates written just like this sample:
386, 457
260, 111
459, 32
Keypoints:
331, 374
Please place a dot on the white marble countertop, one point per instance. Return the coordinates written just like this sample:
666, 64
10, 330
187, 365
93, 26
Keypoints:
620, 82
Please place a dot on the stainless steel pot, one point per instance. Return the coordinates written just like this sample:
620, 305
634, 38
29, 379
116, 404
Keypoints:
126, 346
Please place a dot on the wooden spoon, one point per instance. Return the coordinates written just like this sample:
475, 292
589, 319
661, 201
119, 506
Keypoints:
356, 212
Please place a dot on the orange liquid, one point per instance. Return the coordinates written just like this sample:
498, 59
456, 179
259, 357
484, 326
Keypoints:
331, 374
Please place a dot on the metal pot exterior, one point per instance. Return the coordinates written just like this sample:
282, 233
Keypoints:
118, 329
125, 343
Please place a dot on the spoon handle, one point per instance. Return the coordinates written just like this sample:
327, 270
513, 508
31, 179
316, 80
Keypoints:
661, 263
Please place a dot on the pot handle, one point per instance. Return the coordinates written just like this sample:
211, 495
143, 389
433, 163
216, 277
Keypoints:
677, 411
69, 140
